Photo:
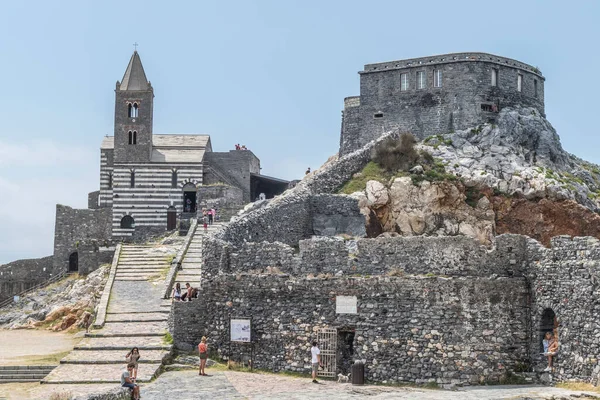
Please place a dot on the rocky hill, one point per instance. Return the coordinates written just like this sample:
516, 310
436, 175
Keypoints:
512, 176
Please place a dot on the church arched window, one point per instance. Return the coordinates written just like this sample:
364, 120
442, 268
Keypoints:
130, 110
130, 134
174, 178
135, 110
132, 178
134, 137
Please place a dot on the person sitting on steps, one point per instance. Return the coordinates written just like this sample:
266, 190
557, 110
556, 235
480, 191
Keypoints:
188, 293
128, 382
177, 292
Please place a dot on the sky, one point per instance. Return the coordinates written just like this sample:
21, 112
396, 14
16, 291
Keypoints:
268, 74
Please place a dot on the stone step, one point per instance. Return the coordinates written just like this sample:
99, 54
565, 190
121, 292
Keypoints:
142, 266
28, 377
143, 260
97, 373
138, 317
26, 367
23, 380
126, 267
123, 343
139, 273
156, 328
112, 357
132, 279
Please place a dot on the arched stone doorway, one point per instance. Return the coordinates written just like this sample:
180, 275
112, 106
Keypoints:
74, 262
189, 198
548, 323
127, 222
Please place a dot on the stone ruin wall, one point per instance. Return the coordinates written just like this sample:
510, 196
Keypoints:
486, 305
21, 275
417, 329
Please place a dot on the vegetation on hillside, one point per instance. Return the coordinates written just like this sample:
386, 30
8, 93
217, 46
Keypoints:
394, 158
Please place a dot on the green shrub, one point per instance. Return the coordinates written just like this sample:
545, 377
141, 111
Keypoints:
371, 172
396, 154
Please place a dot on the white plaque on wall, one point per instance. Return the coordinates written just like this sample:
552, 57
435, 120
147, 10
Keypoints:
345, 305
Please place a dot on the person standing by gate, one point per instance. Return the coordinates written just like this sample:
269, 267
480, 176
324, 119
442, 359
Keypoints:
315, 360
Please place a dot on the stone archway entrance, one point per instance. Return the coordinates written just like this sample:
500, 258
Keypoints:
189, 198
74, 262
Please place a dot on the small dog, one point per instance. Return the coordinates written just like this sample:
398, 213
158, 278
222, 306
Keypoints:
343, 378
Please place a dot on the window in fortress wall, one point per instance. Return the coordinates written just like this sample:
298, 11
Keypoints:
421, 80
403, 82
535, 88
437, 78
519, 83
494, 77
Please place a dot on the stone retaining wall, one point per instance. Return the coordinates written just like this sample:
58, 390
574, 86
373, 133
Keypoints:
406, 329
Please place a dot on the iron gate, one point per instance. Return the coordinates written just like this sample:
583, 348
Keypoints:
327, 342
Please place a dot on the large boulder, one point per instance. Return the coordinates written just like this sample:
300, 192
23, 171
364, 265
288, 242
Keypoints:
438, 209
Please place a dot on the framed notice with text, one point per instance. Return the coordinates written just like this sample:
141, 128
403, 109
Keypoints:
240, 330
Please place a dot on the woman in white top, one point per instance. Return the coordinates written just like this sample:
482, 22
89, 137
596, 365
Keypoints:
177, 292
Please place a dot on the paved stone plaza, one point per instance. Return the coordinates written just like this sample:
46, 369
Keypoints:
184, 385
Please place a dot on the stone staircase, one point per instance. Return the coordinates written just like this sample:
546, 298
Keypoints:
28, 373
191, 266
136, 317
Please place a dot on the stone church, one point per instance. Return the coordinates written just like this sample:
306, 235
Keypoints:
149, 182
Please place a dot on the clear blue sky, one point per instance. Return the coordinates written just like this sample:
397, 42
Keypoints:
268, 74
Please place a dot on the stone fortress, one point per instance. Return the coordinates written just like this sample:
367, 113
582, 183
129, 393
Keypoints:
427, 309
304, 265
435, 95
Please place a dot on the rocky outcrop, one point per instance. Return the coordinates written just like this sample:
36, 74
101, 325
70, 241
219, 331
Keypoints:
520, 155
59, 306
544, 219
432, 209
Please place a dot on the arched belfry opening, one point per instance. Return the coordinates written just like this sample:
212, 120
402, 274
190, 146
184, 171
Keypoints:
548, 323
74, 262
189, 198
127, 222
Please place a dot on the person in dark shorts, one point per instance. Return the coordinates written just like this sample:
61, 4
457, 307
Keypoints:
203, 351
128, 382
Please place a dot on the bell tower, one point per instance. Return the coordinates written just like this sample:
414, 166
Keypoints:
134, 98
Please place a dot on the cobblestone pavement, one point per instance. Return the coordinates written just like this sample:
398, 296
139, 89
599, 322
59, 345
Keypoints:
184, 385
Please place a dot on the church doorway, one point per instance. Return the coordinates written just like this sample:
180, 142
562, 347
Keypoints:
74, 262
127, 222
548, 323
189, 198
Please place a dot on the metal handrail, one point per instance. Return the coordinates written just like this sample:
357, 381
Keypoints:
47, 282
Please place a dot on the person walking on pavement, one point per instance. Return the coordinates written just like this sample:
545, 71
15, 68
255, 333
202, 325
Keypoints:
315, 360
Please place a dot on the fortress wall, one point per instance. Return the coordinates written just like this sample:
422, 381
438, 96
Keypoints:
227, 200
456, 105
419, 255
20, 275
406, 329
236, 165
73, 227
565, 279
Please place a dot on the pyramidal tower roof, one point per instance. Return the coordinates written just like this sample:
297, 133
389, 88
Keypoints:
135, 77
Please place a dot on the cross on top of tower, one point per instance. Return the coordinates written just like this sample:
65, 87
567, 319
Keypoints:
135, 45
